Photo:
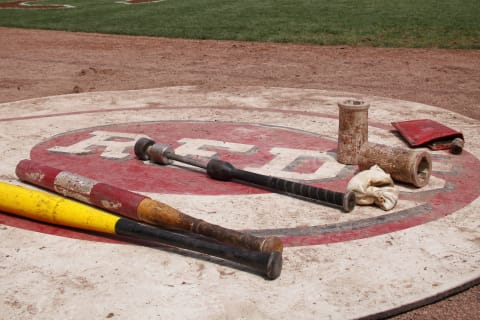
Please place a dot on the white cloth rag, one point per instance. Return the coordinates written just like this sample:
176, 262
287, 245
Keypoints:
374, 186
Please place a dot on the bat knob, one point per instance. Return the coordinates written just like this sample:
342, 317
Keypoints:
220, 170
141, 148
274, 266
349, 200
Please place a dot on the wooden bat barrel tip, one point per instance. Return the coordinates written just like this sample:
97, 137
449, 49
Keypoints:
272, 244
274, 267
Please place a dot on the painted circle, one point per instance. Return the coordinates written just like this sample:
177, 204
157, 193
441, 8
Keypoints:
140, 176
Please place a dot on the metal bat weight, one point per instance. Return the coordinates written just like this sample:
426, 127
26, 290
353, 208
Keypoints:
147, 149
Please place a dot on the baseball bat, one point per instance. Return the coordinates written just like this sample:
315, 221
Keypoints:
136, 206
57, 210
225, 171
147, 149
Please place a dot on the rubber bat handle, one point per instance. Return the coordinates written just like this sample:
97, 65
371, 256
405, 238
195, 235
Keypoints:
222, 170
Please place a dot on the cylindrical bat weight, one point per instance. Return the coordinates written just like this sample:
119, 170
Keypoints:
352, 130
158, 153
404, 165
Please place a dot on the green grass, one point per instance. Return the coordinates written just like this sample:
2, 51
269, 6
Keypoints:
386, 23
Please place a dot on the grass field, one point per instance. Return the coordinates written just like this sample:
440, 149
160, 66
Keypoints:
387, 23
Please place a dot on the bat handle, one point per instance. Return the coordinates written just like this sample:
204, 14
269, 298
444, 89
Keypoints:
157, 213
346, 201
222, 170
238, 239
267, 263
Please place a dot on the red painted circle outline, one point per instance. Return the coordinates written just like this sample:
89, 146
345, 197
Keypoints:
440, 203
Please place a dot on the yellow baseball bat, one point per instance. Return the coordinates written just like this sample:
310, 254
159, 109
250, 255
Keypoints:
53, 209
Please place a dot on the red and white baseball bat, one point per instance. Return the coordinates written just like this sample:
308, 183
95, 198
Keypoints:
136, 206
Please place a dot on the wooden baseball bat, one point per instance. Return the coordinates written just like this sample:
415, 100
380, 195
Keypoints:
136, 206
57, 210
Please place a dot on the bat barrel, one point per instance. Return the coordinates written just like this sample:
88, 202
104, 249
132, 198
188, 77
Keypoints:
268, 264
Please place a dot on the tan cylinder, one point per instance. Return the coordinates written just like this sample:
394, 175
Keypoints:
404, 165
352, 130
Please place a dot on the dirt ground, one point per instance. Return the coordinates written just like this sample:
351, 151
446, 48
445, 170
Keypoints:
42, 63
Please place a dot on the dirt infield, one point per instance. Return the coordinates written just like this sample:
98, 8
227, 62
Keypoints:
43, 63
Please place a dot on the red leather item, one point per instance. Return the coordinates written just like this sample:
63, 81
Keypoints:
426, 132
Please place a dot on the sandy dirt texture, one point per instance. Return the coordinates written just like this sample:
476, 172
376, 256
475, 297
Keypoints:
43, 63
